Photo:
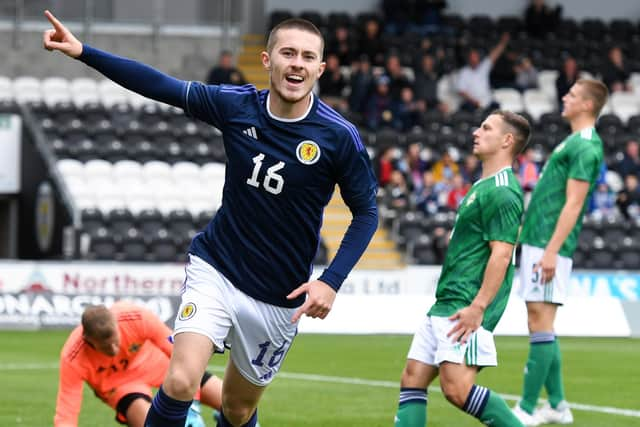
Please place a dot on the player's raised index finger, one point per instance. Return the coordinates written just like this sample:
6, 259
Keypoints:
54, 21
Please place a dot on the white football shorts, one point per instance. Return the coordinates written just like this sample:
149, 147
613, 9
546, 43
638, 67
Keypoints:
431, 345
258, 334
531, 289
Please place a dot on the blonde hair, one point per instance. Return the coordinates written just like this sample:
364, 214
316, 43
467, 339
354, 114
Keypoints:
98, 322
596, 91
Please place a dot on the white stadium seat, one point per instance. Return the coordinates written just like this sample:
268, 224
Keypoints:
212, 171
185, 171
83, 91
537, 102
624, 105
6, 88
70, 167
123, 169
509, 99
98, 168
27, 89
156, 169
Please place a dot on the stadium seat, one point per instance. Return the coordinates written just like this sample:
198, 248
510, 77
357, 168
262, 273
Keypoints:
92, 220
149, 221
154, 170
84, 91
537, 102
119, 221
55, 90
407, 227
97, 169
6, 89
163, 247
180, 222
185, 171
133, 246
624, 105
26, 90
70, 167
111, 93
509, 99
422, 251
102, 245
547, 82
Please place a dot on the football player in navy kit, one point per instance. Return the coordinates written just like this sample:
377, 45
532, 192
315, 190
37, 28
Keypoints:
247, 278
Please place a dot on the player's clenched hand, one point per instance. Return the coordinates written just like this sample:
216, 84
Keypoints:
546, 267
469, 320
60, 38
320, 297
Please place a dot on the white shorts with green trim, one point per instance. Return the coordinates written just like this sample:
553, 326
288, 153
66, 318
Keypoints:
431, 345
531, 289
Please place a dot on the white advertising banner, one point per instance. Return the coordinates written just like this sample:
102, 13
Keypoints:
10, 147
42, 294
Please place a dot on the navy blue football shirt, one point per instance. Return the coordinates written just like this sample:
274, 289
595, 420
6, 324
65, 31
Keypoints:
280, 175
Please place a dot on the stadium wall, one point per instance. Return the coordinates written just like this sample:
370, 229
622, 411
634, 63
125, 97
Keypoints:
37, 295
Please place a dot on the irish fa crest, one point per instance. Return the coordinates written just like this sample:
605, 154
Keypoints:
187, 311
308, 152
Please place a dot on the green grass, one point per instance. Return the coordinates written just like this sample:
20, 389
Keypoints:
598, 372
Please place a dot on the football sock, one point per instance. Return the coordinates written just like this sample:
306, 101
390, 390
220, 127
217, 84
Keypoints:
554, 383
489, 408
541, 353
166, 411
412, 409
223, 422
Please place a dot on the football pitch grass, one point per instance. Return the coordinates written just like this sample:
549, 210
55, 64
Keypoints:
345, 381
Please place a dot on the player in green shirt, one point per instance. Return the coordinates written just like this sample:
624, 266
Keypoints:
455, 338
549, 238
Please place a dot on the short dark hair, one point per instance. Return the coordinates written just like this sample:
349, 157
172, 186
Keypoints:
98, 322
596, 91
298, 24
519, 127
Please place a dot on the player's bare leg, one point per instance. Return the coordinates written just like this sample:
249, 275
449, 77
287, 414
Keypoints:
239, 396
412, 407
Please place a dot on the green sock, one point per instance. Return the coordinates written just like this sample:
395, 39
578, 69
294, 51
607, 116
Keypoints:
498, 414
412, 410
489, 408
541, 351
554, 384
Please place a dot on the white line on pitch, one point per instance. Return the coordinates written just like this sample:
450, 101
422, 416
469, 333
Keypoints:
346, 380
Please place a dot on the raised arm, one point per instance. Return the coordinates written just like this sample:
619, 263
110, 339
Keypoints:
497, 50
130, 74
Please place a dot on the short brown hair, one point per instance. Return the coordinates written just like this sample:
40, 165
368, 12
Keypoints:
98, 322
298, 24
596, 91
518, 126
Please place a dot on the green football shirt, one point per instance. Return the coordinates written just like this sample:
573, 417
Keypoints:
491, 211
578, 157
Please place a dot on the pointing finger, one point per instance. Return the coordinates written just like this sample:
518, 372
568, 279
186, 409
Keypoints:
54, 21
298, 291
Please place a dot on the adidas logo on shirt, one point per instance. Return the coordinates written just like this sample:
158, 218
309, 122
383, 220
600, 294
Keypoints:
251, 132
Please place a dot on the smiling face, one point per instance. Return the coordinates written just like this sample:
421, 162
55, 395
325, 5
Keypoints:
490, 137
295, 64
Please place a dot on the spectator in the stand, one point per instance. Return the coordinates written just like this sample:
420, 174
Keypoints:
407, 110
413, 165
426, 83
332, 84
361, 82
342, 45
473, 81
379, 109
224, 72
426, 196
528, 170
471, 169
526, 74
445, 168
602, 202
398, 80
615, 72
568, 77
397, 192
396, 15
459, 189
503, 73
384, 165
630, 163
371, 43
628, 199
541, 19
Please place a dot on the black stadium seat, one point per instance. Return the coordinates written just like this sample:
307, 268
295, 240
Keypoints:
120, 221
133, 246
150, 221
163, 247
102, 245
